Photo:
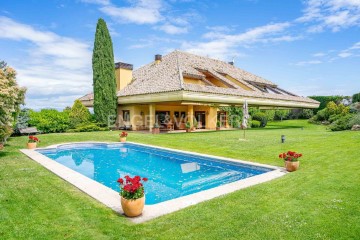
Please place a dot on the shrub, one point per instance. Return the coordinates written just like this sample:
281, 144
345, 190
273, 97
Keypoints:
341, 124
22, 120
281, 114
255, 124
322, 115
88, 127
49, 120
355, 120
5, 132
260, 116
355, 107
307, 114
270, 115
79, 114
356, 98
335, 117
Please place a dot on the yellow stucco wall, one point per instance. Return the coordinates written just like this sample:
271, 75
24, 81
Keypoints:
216, 82
233, 80
194, 81
144, 115
123, 77
210, 115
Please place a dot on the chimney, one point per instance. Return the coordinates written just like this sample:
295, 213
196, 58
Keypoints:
231, 63
158, 58
123, 74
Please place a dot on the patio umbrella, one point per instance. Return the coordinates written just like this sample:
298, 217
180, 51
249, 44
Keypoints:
246, 116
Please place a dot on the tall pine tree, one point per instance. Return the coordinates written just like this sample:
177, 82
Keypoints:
104, 82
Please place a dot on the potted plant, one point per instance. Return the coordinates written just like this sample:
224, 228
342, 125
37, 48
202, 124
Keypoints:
218, 125
291, 160
195, 124
132, 195
188, 127
123, 136
32, 141
156, 128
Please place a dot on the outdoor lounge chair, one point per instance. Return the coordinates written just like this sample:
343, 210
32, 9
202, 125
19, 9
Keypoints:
29, 131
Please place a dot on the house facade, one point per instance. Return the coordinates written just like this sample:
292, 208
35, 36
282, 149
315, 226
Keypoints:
181, 87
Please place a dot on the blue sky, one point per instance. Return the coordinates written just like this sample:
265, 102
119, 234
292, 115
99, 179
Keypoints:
307, 47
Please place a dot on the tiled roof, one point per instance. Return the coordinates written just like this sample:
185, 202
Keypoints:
167, 76
87, 97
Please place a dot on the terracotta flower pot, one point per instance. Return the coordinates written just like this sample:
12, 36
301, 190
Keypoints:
133, 207
1, 146
155, 130
31, 145
291, 166
188, 130
122, 139
217, 128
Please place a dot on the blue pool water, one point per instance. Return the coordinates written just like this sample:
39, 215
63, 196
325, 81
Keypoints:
171, 174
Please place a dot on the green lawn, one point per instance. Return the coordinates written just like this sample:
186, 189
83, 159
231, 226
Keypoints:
320, 201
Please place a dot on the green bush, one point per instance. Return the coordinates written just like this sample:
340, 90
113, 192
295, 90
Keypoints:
355, 107
79, 114
342, 123
88, 127
49, 120
281, 114
355, 120
356, 98
306, 114
270, 115
260, 116
335, 117
255, 124
5, 132
322, 115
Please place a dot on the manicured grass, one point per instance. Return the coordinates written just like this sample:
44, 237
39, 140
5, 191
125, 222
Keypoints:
320, 201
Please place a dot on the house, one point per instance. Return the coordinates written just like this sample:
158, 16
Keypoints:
181, 87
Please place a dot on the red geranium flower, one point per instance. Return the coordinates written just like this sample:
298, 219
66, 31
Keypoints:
133, 188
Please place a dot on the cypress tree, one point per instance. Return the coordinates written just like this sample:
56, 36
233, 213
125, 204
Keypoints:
104, 82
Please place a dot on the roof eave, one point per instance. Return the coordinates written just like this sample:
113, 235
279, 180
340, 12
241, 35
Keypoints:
212, 98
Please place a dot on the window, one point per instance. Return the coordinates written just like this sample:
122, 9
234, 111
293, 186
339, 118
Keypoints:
126, 115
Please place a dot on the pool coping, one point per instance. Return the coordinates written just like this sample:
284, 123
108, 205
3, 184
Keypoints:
111, 198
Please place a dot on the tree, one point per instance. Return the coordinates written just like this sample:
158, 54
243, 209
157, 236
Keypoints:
356, 98
104, 82
11, 97
281, 114
79, 114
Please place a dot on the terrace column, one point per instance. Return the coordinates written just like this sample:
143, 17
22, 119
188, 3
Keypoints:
190, 114
151, 116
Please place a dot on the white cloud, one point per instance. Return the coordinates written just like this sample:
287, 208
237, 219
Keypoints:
354, 50
224, 45
55, 67
172, 29
319, 54
332, 55
305, 63
344, 54
140, 12
331, 14
152, 12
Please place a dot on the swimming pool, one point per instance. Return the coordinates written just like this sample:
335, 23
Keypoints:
177, 179
171, 174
